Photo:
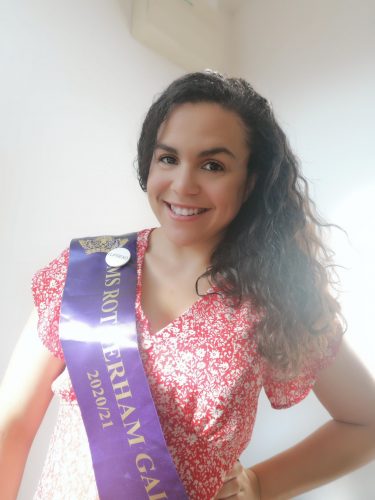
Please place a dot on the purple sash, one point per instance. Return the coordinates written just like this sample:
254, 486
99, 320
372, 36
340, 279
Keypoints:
99, 340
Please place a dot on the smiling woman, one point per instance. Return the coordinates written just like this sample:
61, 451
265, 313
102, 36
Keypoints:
231, 293
199, 174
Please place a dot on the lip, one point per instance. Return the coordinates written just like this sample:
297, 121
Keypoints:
179, 205
184, 218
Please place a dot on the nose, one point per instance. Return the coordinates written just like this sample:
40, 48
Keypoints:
185, 181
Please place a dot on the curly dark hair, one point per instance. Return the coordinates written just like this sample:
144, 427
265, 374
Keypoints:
273, 251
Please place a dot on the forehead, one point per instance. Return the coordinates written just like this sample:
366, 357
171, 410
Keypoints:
208, 123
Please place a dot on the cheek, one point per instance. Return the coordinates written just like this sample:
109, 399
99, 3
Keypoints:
154, 183
156, 189
232, 197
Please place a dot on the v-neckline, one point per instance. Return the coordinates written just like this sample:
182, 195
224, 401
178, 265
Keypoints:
143, 317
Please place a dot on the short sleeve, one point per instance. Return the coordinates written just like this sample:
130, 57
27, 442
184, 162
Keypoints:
285, 392
47, 288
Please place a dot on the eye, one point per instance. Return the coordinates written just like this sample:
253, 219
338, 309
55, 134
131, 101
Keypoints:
213, 166
168, 160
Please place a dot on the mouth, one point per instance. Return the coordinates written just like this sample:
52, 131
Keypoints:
183, 211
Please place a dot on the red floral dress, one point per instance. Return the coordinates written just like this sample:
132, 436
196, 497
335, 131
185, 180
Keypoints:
205, 375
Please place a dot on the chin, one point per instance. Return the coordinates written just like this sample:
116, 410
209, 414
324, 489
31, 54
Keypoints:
180, 238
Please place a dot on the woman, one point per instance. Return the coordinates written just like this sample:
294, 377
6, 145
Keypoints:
233, 293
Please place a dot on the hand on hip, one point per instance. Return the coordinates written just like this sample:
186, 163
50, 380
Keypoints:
239, 484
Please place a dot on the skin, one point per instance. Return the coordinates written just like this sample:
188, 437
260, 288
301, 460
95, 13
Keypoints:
181, 249
347, 390
25, 394
200, 162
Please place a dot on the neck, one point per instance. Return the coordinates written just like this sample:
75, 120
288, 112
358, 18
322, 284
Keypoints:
197, 255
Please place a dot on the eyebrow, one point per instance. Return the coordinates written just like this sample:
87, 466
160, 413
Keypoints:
206, 152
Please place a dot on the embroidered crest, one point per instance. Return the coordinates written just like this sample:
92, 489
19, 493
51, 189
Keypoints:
102, 244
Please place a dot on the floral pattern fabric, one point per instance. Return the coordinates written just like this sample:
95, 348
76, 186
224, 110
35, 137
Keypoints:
205, 375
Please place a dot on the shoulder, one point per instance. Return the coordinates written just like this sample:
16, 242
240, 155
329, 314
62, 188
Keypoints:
47, 289
143, 238
51, 278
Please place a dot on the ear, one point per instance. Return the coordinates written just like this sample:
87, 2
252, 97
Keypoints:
250, 185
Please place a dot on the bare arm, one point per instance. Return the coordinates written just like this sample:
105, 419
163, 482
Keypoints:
345, 443
25, 394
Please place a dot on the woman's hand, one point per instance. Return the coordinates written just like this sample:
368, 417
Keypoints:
239, 484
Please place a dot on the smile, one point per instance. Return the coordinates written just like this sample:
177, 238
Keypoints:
184, 211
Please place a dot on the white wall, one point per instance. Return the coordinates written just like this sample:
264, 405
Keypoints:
74, 87
315, 62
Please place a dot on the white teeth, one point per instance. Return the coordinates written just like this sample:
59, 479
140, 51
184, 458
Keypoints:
186, 211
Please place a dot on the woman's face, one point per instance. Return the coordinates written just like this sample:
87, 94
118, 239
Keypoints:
198, 175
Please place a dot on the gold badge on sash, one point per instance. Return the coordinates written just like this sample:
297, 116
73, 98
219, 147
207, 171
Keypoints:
101, 244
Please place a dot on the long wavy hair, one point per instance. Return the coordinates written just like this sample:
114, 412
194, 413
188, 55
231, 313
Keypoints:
273, 251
